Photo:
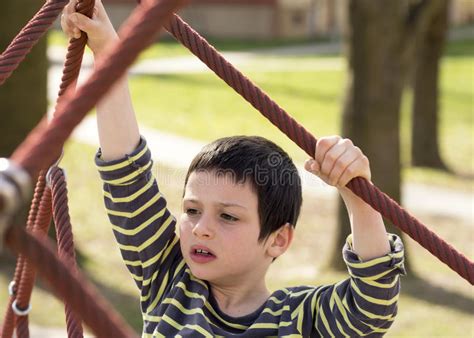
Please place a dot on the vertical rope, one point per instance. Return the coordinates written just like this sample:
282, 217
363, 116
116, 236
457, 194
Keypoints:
65, 240
9, 321
27, 279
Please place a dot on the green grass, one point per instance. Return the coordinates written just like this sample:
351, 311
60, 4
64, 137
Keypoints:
203, 107
428, 306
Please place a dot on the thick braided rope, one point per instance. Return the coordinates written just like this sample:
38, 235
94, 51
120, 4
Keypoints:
28, 37
140, 30
44, 143
298, 134
10, 318
28, 276
65, 240
75, 51
70, 286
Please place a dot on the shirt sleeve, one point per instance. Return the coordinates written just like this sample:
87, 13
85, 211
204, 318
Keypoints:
142, 224
366, 303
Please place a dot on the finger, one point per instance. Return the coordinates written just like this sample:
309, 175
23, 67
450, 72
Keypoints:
66, 27
307, 164
312, 166
323, 145
333, 155
341, 165
70, 7
355, 169
82, 22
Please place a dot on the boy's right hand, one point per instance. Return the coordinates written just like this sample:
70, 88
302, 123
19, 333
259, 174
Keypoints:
99, 29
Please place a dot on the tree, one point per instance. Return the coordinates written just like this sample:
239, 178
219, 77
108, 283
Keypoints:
23, 96
377, 45
428, 49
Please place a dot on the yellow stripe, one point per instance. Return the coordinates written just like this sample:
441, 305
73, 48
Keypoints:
372, 299
124, 163
214, 313
137, 278
367, 313
375, 261
129, 177
323, 317
179, 268
190, 294
189, 326
380, 275
131, 232
380, 285
341, 330
343, 311
150, 240
137, 212
277, 312
159, 293
132, 196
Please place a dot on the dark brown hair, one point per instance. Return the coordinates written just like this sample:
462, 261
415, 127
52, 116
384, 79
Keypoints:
268, 168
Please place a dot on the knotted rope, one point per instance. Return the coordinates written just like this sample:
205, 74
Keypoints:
298, 134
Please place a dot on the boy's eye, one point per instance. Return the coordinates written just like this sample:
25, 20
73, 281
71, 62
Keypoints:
229, 218
191, 211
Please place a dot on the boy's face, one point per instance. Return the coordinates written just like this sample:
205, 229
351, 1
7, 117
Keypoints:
219, 230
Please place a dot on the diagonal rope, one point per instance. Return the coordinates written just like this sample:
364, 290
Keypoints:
28, 37
298, 134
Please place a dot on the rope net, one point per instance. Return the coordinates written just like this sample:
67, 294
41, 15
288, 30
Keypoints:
43, 145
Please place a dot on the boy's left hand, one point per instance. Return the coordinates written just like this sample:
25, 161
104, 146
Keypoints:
337, 161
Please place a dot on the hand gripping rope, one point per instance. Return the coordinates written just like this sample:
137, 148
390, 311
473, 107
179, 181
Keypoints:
45, 142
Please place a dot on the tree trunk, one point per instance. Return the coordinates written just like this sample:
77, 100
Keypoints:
23, 97
376, 47
429, 47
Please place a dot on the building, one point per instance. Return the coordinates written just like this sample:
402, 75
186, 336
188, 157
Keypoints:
271, 19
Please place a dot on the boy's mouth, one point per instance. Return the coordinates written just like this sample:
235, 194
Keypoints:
201, 254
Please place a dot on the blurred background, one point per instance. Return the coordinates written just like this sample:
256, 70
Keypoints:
394, 76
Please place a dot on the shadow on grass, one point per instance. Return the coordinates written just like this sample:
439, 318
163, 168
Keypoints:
126, 305
423, 289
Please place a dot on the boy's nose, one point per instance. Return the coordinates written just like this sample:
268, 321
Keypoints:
203, 229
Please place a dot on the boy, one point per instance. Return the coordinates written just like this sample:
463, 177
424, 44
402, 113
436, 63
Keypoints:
239, 212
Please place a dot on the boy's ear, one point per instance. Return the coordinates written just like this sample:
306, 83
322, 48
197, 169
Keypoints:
280, 240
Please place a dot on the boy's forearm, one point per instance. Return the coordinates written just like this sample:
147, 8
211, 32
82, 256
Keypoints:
369, 237
116, 121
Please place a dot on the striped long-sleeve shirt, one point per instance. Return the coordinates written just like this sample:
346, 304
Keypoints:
175, 303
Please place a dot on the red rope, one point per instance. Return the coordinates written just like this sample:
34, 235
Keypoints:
298, 134
72, 287
9, 321
65, 240
28, 37
46, 140
28, 276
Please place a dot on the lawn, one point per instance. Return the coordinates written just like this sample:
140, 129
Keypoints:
201, 106
428, 305
437, 303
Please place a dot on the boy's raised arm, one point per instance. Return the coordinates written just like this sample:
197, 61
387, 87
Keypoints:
336, 162
118, 128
